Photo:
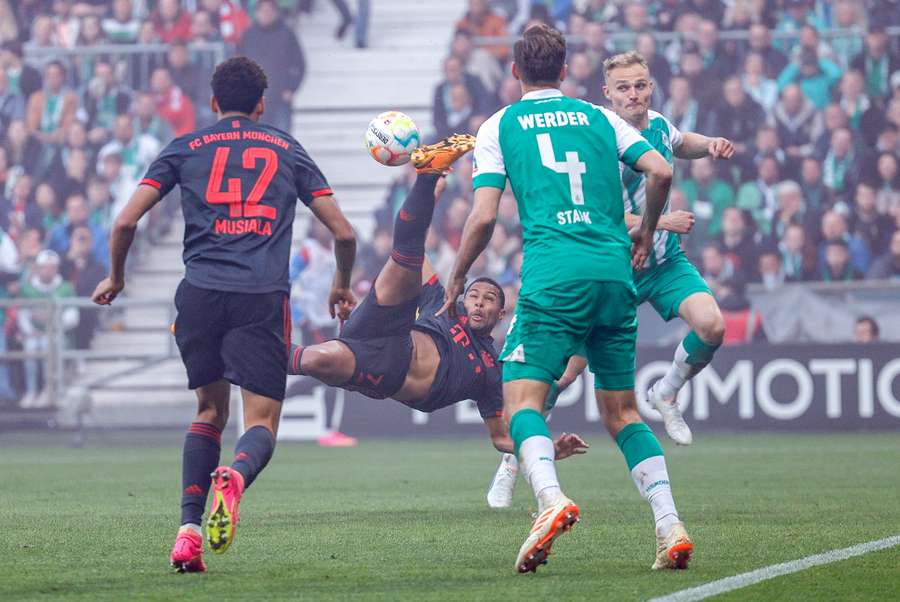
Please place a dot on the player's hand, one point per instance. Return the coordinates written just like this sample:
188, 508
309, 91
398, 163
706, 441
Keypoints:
341, 302
721, 148
107, 291
569, 444
454, 289
680, 222
640, 248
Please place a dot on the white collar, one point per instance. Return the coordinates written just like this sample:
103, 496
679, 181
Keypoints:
542, 93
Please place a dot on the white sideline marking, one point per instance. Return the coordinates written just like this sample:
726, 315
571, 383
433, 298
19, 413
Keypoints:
714, 588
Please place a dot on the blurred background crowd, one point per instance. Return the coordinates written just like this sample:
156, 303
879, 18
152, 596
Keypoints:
808, 90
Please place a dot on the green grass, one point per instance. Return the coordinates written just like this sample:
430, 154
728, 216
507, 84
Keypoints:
407, 520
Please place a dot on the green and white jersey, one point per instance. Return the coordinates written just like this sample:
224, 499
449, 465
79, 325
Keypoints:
561, 156
665, 138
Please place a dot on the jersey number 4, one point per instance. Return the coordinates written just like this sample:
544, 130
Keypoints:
572, 166
233, 196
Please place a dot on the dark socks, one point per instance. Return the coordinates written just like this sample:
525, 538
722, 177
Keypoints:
200, 457
413, 219
253, 451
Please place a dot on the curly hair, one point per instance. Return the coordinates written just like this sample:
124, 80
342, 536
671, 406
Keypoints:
238, 84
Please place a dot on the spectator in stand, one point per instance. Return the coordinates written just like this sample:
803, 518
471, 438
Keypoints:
853, 100
837, 266
102, 100
815, 195
737, 117
816, 76
660, 71
82, 269
876, 62
90, 34
203, 29
834, 230
758, 196
635, 20
797, 123
476, 61
172, 104
791, 210
12, 104
765, 145
865, 330
737, 241
20, 211
121, 27
759, 87
769, 270
146, 120
682, 109
272, 44
887, 183
481, 21
794, 251
839, 170
717, 63
74, 179
65, 24
137, 151
78, 214
588, 84
45, 282
796, 14
171, 22
707, 197
834, 119
847, 15
232, 19
888, 265
51, 109
595, 44
23, 78
45, 198
451, 107
761, 43
715, 267
867, 224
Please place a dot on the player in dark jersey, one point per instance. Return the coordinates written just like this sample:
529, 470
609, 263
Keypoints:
395, 346
240, 181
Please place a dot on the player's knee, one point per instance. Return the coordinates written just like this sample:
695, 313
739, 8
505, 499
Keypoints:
321, 363
711, 328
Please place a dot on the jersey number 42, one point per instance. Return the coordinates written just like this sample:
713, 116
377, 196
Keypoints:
233, 196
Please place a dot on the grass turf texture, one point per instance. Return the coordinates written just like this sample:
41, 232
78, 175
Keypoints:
408, 520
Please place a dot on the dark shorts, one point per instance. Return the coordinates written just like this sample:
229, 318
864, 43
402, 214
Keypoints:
379, 337
243, 337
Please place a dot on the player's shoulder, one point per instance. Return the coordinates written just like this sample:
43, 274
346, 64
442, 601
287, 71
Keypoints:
658, 121
491, 125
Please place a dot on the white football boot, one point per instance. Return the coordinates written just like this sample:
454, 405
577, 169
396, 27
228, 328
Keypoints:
500, 493
676, 427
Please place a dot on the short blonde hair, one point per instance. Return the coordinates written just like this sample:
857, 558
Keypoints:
625, 59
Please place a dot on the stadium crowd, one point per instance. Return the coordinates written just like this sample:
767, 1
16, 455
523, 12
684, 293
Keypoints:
79, 126
808, 90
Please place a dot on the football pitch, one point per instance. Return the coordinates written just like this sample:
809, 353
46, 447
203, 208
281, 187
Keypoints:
407, 520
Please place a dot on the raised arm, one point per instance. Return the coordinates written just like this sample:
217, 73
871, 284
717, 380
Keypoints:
695, 146
327, 211
475, 236
120, 240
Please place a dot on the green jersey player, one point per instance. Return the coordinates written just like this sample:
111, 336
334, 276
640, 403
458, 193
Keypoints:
561, 157
668, 280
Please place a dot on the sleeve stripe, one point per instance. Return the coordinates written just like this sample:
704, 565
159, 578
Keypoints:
493, 180
634, 152
432, 281
322, 192
151, 182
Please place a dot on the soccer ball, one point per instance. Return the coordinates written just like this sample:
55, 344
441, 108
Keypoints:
391, 138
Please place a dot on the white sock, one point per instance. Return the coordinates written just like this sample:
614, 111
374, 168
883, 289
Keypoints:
678, 374
195, 528
536, 459
652, 480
